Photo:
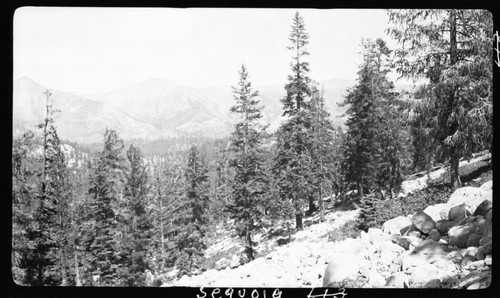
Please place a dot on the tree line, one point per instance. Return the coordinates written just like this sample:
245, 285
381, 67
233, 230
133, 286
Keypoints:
123, 215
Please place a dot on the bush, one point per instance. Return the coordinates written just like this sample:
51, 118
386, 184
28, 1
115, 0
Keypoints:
377, 211
349, 230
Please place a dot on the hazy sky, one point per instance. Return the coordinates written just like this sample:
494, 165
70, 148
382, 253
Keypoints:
88, 50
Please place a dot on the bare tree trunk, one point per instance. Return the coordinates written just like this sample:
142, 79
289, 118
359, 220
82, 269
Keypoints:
249, 245
321, 205
454, 153
455, 182
298, 221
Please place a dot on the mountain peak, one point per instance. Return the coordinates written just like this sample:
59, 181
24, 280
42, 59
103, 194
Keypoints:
26, 82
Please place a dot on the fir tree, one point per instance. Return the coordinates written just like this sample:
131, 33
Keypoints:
24, 189
167, 187
249, 183
292, 167
375, 143
138, 227
103, 239
192, 219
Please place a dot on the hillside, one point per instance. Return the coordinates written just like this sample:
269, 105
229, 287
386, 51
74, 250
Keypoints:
333, 252
153, 109
79, 119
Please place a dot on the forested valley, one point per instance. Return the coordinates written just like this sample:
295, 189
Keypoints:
112, 213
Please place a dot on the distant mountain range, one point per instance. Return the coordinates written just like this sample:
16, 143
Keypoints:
153, 109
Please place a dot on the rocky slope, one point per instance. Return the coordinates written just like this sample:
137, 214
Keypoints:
446, 245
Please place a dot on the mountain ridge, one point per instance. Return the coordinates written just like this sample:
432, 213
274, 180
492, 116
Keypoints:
154, 108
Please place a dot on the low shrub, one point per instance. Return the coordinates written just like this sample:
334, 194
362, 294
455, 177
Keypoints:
377, 210
349, 230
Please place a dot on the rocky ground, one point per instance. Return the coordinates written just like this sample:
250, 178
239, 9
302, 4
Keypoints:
444, 246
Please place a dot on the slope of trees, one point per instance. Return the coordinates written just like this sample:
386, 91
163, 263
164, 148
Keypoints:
126, 218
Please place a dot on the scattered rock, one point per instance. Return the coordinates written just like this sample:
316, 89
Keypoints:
423, 222
404, 243
421, 274
480, 255
458, 236
487, 185
430, 247
483, 208
433, 284
488, 261
339, 267
475, 265
458, 213
445, 265
435, 235
222, 264
470, 196
471, 251
467, 260
480, 224
475, 280
397, 280
394, 226
235, 262
437, 211
443, 226
454, 256
473, 240
375, 279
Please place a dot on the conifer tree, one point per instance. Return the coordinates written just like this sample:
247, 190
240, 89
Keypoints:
249, 183
292, 167
167, 186
372, 156
323, 153
192, 219
138, 227
103, 239
25, 169
451, 50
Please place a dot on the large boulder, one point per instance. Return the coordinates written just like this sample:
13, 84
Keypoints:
427, 251
470, 196
394, 226
488, 186
434, 235
420, 275
474, 239
222, 264
423, 222
483, 208
444, 225
458, 213
458, 236
437, 211
340, 266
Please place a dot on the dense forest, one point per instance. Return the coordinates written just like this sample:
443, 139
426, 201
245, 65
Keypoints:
128, 207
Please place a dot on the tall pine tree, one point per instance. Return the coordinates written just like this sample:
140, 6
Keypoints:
292, 167
250, 183
103, 238
137, 222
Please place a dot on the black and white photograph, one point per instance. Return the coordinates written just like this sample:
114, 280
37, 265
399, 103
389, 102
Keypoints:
252, 148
